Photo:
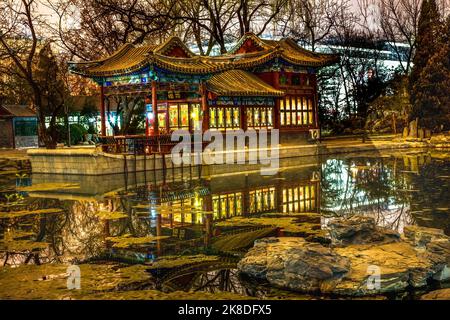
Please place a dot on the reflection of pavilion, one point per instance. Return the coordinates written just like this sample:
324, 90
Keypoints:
226, 197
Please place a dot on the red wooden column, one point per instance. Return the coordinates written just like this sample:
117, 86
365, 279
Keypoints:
276, 111
204, 103
243, 116
155, 109
102, 110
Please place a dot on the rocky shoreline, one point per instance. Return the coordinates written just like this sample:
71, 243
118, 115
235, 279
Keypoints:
362, 260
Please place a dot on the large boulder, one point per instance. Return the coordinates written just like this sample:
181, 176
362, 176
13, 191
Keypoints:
293, 263
435, 245
359, 230
351, 269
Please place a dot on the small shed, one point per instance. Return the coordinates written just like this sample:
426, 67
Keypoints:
18, 127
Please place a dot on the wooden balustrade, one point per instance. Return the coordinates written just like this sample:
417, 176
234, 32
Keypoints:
140, 145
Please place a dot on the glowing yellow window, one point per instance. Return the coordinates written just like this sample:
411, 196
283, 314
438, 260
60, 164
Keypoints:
305, 118
229, 119
269, 117
288, 103
256, 119
184, 115
236, 118
195, 116
221, 116
249, 113
173, 116
281, 104
212, 117
299, 118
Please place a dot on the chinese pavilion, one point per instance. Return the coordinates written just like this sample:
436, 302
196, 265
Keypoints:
258, 84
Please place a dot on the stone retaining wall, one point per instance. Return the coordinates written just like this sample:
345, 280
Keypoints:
92, 161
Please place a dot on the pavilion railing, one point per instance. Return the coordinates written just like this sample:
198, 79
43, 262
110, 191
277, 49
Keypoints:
140, 145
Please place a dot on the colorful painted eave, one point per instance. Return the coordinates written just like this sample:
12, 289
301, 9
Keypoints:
130, 59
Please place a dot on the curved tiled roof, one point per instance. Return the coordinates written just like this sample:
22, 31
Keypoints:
240, 83
126, 59
129, 59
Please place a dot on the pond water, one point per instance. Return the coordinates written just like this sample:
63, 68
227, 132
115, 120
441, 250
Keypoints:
190, 227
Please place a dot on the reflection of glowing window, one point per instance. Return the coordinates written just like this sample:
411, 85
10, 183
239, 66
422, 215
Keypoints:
227, 205
262, 200
299, 198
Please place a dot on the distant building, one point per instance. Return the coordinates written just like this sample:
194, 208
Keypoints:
18, 127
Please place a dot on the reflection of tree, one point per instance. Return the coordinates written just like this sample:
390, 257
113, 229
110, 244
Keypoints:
366, 186
430, 204
219, 281
31, 230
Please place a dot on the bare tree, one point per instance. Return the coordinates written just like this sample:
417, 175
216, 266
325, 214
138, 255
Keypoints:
21, 47
311, 21
399, 20
90, 29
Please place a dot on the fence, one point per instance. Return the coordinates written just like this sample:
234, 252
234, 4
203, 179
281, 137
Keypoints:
141, 145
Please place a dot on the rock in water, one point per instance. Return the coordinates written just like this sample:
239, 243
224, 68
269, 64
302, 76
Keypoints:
443, 294
359, 230
294, 264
